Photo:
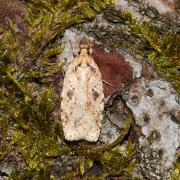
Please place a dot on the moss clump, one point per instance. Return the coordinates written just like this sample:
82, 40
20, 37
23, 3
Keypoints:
176, 172
168, 66
37, 148
85, 164
115, 162
49, 19
165, 47
4, 126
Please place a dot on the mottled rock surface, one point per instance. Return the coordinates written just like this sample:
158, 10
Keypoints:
156, 108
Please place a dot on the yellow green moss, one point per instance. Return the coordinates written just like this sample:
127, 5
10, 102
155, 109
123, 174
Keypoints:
49, 20
176, 171
35, 148
168, 66
85, 164
117, 162
165, 55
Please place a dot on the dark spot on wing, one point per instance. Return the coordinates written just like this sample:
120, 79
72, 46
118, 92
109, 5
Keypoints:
70, 94
95, 94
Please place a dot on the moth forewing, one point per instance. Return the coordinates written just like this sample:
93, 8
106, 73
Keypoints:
82, 99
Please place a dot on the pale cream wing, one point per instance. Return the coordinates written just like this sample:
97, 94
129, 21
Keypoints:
68, 98
96, 101
82, 102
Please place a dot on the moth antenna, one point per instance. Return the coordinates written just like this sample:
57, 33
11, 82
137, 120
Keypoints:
74, 51
90, 50
91, 44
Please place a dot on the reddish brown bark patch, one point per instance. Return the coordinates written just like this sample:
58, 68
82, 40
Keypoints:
114, 69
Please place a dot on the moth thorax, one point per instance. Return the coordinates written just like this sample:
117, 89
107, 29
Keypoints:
84, 43
84, 46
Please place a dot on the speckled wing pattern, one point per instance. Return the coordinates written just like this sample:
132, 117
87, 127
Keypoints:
82, 100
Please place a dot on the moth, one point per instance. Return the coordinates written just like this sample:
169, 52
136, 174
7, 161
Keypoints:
82, 97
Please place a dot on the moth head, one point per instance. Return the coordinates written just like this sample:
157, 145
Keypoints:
86, 44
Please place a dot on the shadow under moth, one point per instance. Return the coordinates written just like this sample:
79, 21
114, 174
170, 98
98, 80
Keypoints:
82, 98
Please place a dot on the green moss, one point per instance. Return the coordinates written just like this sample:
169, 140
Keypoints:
1, 30
44, 174
165, 47
168, 66
5, 147
49, 20
3, 127
35, 148
20, 175
176, 172
85, 164
117, 162
31, 111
